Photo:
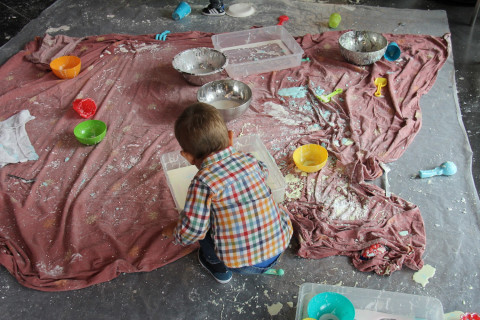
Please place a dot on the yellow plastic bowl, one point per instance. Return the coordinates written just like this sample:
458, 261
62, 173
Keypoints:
66, 67
310, 157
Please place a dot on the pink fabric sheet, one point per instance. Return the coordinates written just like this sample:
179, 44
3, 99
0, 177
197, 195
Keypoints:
94, 212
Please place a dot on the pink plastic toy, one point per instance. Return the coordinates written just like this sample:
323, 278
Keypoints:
372, 251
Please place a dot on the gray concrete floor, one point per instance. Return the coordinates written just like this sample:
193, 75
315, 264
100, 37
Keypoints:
182, 290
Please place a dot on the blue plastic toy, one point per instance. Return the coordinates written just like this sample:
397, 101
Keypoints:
393, 52
162, 36
330, 306
446, 169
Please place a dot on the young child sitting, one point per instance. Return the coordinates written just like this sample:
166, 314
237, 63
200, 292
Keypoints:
229, 208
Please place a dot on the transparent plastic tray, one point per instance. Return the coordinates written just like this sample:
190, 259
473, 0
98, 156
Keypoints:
375, 304
258, 50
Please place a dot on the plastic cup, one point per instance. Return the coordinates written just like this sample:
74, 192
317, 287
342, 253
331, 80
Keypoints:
334, 20
393, 52
183, 9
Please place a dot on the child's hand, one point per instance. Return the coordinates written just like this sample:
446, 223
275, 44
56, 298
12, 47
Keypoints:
230, 137
168, 230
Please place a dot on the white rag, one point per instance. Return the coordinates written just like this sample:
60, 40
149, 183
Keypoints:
15, 146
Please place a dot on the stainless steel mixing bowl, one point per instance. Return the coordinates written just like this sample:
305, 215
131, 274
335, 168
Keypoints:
231, 97
200, 65
362, 47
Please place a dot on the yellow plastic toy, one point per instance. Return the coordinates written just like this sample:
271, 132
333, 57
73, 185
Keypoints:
380, 83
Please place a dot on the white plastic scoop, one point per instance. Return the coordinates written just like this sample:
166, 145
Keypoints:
386, 170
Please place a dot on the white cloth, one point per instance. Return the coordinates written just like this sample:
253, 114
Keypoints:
15, 146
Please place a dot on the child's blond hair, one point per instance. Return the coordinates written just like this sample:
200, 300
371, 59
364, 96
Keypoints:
200, 130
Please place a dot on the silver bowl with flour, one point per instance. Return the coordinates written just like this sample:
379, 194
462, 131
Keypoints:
362, 47
231, 97
200, 65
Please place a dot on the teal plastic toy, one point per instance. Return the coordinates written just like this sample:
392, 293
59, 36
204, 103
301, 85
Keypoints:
445, 169
276, 272
330, 306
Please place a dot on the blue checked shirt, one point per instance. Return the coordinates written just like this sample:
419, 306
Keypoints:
229, 196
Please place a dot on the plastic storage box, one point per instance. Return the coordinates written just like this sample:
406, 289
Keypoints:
375, 304
251, 143
258, 50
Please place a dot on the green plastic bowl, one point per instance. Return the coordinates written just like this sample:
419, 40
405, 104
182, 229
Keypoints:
330, 306
90, 131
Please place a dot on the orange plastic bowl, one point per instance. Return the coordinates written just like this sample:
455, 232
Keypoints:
310, 157
66, 67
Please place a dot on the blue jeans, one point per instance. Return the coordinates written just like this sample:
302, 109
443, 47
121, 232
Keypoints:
208, 249
254, 269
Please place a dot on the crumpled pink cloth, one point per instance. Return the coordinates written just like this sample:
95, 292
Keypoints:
335, 211
94, 212
49, 48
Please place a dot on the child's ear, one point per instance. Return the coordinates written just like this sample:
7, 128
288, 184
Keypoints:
190, 158
230, 138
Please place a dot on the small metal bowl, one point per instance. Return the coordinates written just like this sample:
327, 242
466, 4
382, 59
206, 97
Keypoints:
200, 65
231, 97
362, 47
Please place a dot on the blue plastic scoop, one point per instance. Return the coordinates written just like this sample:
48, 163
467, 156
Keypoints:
445, 169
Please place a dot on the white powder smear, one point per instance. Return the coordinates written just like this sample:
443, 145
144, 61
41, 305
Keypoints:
275, 308
278, 112
52, 272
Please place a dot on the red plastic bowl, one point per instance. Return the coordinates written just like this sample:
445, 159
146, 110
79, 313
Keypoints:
86, 108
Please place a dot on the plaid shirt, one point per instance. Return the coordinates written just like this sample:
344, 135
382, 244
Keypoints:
229, 196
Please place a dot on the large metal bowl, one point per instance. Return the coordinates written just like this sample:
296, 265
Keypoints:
362, 47
200, 65
231, 97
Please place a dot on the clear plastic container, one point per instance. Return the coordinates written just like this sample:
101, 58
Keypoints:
251, 144
375, 304
258, 50
255, 146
